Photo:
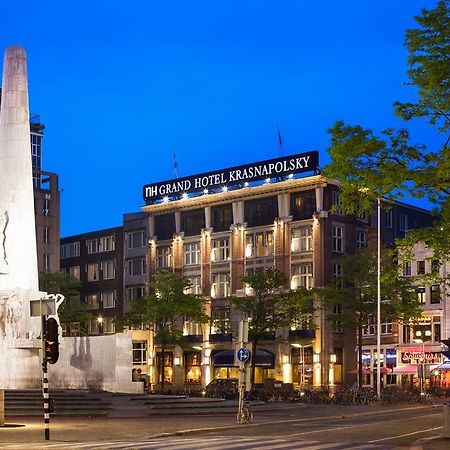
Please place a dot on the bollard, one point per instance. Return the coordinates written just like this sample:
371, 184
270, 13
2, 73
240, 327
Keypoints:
2, 407
447, 421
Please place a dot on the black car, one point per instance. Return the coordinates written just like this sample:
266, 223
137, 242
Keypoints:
222, 388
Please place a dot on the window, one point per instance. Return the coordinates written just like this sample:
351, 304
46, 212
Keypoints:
220, 320
259, 244
420, 267
361, 238
168, 366
221, 217
192, 221
220, 250
92, 272
46, 261
92, 246
135, 292
262, 211
109, 269
337, 275
136, 266
135, 239
163, 257
46, 235
336, 202
193, 374
303, 205
302, 276
165, 226
139, 352
93, 326
74, 271
338, 236
92, 301
301, 239
108, 299
107, 244
195, 286
407, 268
435, 266
191, 327
387, 328
388, 218
220, 287
69, 250
338, 325
108, 325
421, 295
46, 207
192, 253
403, 222
435, 294
369, 328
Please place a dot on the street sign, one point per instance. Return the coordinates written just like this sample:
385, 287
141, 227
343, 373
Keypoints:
42, 307
243, 354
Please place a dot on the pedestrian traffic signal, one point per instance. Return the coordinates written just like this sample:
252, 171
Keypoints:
446, 343
51, 341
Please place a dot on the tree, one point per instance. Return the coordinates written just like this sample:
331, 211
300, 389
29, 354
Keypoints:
370, 167
269, 308
353, 295
162, 311
72, 313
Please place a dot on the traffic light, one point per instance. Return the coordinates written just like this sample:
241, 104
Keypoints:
446, 343
51, 341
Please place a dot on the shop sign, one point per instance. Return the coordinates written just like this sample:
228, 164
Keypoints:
234, 176
417, 357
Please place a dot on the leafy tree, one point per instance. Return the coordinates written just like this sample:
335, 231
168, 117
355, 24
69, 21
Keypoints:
354, 294
370, 167
270, 308
72, 312
162, 311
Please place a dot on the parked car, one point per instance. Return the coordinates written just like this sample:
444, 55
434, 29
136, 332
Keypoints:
222, 388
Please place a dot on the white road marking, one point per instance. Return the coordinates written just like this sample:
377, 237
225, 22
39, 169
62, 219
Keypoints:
404, 435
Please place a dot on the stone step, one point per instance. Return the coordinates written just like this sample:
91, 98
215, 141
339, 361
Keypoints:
184, 401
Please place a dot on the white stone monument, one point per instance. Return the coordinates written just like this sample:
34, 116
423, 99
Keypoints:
19, 347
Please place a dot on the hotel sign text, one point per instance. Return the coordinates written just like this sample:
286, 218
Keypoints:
272, 168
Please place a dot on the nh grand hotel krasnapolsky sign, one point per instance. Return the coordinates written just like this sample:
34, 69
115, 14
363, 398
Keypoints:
278, 168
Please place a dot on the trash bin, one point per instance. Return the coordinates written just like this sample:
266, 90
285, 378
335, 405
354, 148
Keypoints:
447, 421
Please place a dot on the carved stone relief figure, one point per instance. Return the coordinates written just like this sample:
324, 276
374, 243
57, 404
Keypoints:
3, 315
4, 220
14, 314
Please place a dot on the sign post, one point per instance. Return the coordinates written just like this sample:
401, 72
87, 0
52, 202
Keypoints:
243, 357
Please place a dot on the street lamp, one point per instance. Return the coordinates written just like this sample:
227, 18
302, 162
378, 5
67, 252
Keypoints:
100, 324
378, 297
422, 363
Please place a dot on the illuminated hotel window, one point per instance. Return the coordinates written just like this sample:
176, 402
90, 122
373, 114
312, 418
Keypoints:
220, 249
192, 221
193, 373
302, 276
259, 244
220, 320
220, 286
92, 301
74, 271
164, 226
139, 352
195, 286
192, 253
303, 205
407, 268
191, 327
301, 239
221, 217
108, 325
168, 366
163, 257
135, 239
92, 272
262, 211
107, 244
421, 295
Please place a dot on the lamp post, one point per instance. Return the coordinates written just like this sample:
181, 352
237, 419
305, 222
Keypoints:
422, 363
378, 297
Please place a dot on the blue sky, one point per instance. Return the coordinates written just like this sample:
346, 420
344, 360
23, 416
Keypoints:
119, 85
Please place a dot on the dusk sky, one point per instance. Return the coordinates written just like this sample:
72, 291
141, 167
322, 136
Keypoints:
119, 85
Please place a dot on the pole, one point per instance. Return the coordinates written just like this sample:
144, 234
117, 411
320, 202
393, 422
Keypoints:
378, 297
45, 380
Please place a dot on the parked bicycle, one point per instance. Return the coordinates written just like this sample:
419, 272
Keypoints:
245, 413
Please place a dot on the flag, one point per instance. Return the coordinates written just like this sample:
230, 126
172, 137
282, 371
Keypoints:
175, 164
280, 142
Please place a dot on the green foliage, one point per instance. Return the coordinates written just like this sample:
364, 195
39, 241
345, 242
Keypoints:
162, 311
370, 167
72, 313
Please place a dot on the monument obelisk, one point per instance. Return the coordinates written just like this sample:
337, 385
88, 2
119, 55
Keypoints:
18, 254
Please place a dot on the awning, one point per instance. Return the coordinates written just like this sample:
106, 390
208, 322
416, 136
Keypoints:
409, 368
225, 358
